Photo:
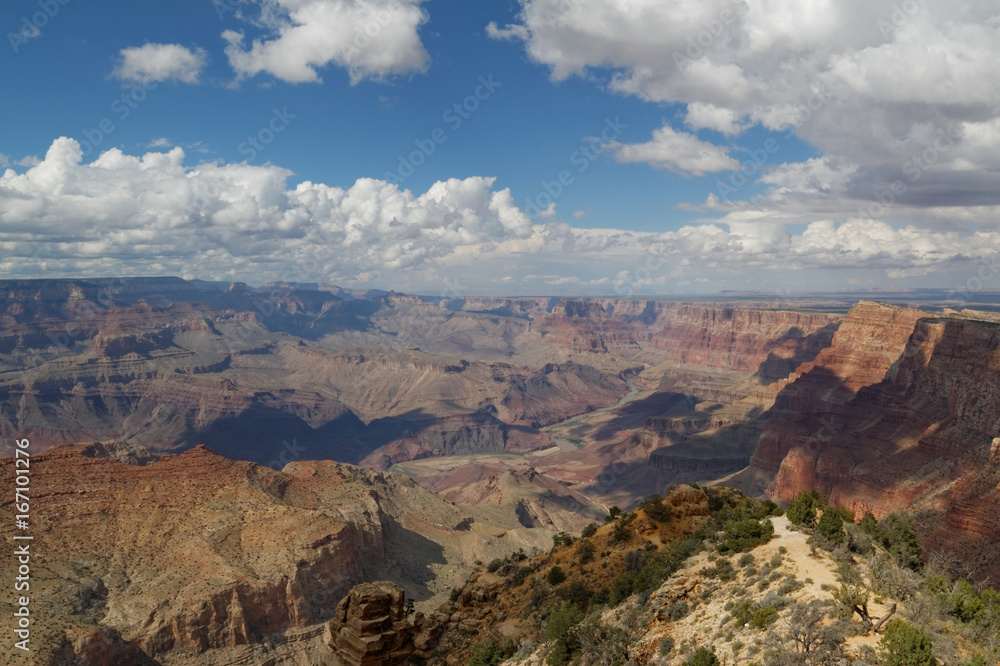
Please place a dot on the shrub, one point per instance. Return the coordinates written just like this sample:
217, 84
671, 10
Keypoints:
790, 585
676, 611
600, 643
655, 509
831, 526
777, 601
455, 594
764, 617
896, 534
666, 646
561, 620
620, 534
559, 655
576, 593
869, 525
965, 603
488, 652
539, 595
746, 560
622, 588
742, 612
613, 513
858, 541
556, 575
742, 535
561, 539
905, 645
508, 565
902, 541
716, 502
722, 570
657, 568
589, 531
802, 509
632, 561
585, 552
846, 513
757, 615
704, 657
520, 575
725, 571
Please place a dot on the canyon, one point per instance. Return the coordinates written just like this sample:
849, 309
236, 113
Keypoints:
279, 445
382, 379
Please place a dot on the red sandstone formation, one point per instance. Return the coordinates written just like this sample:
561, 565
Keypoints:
901, 413
805, 412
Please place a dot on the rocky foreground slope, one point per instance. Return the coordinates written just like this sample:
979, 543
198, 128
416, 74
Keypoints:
709, 572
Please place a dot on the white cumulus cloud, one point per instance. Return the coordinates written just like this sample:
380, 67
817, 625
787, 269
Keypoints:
160, 62
677, 151
709, 116
369, 38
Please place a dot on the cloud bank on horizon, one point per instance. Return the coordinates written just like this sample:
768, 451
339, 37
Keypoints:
901, 101
237, 221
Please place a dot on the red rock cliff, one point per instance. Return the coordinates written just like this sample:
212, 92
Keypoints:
807, 408
739, 339
923, 437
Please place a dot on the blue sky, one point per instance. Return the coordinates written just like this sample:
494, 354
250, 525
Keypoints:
641, 108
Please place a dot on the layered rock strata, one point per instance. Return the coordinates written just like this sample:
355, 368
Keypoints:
901, 413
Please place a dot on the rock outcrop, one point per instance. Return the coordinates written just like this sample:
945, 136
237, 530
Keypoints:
369, 627
97, 647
